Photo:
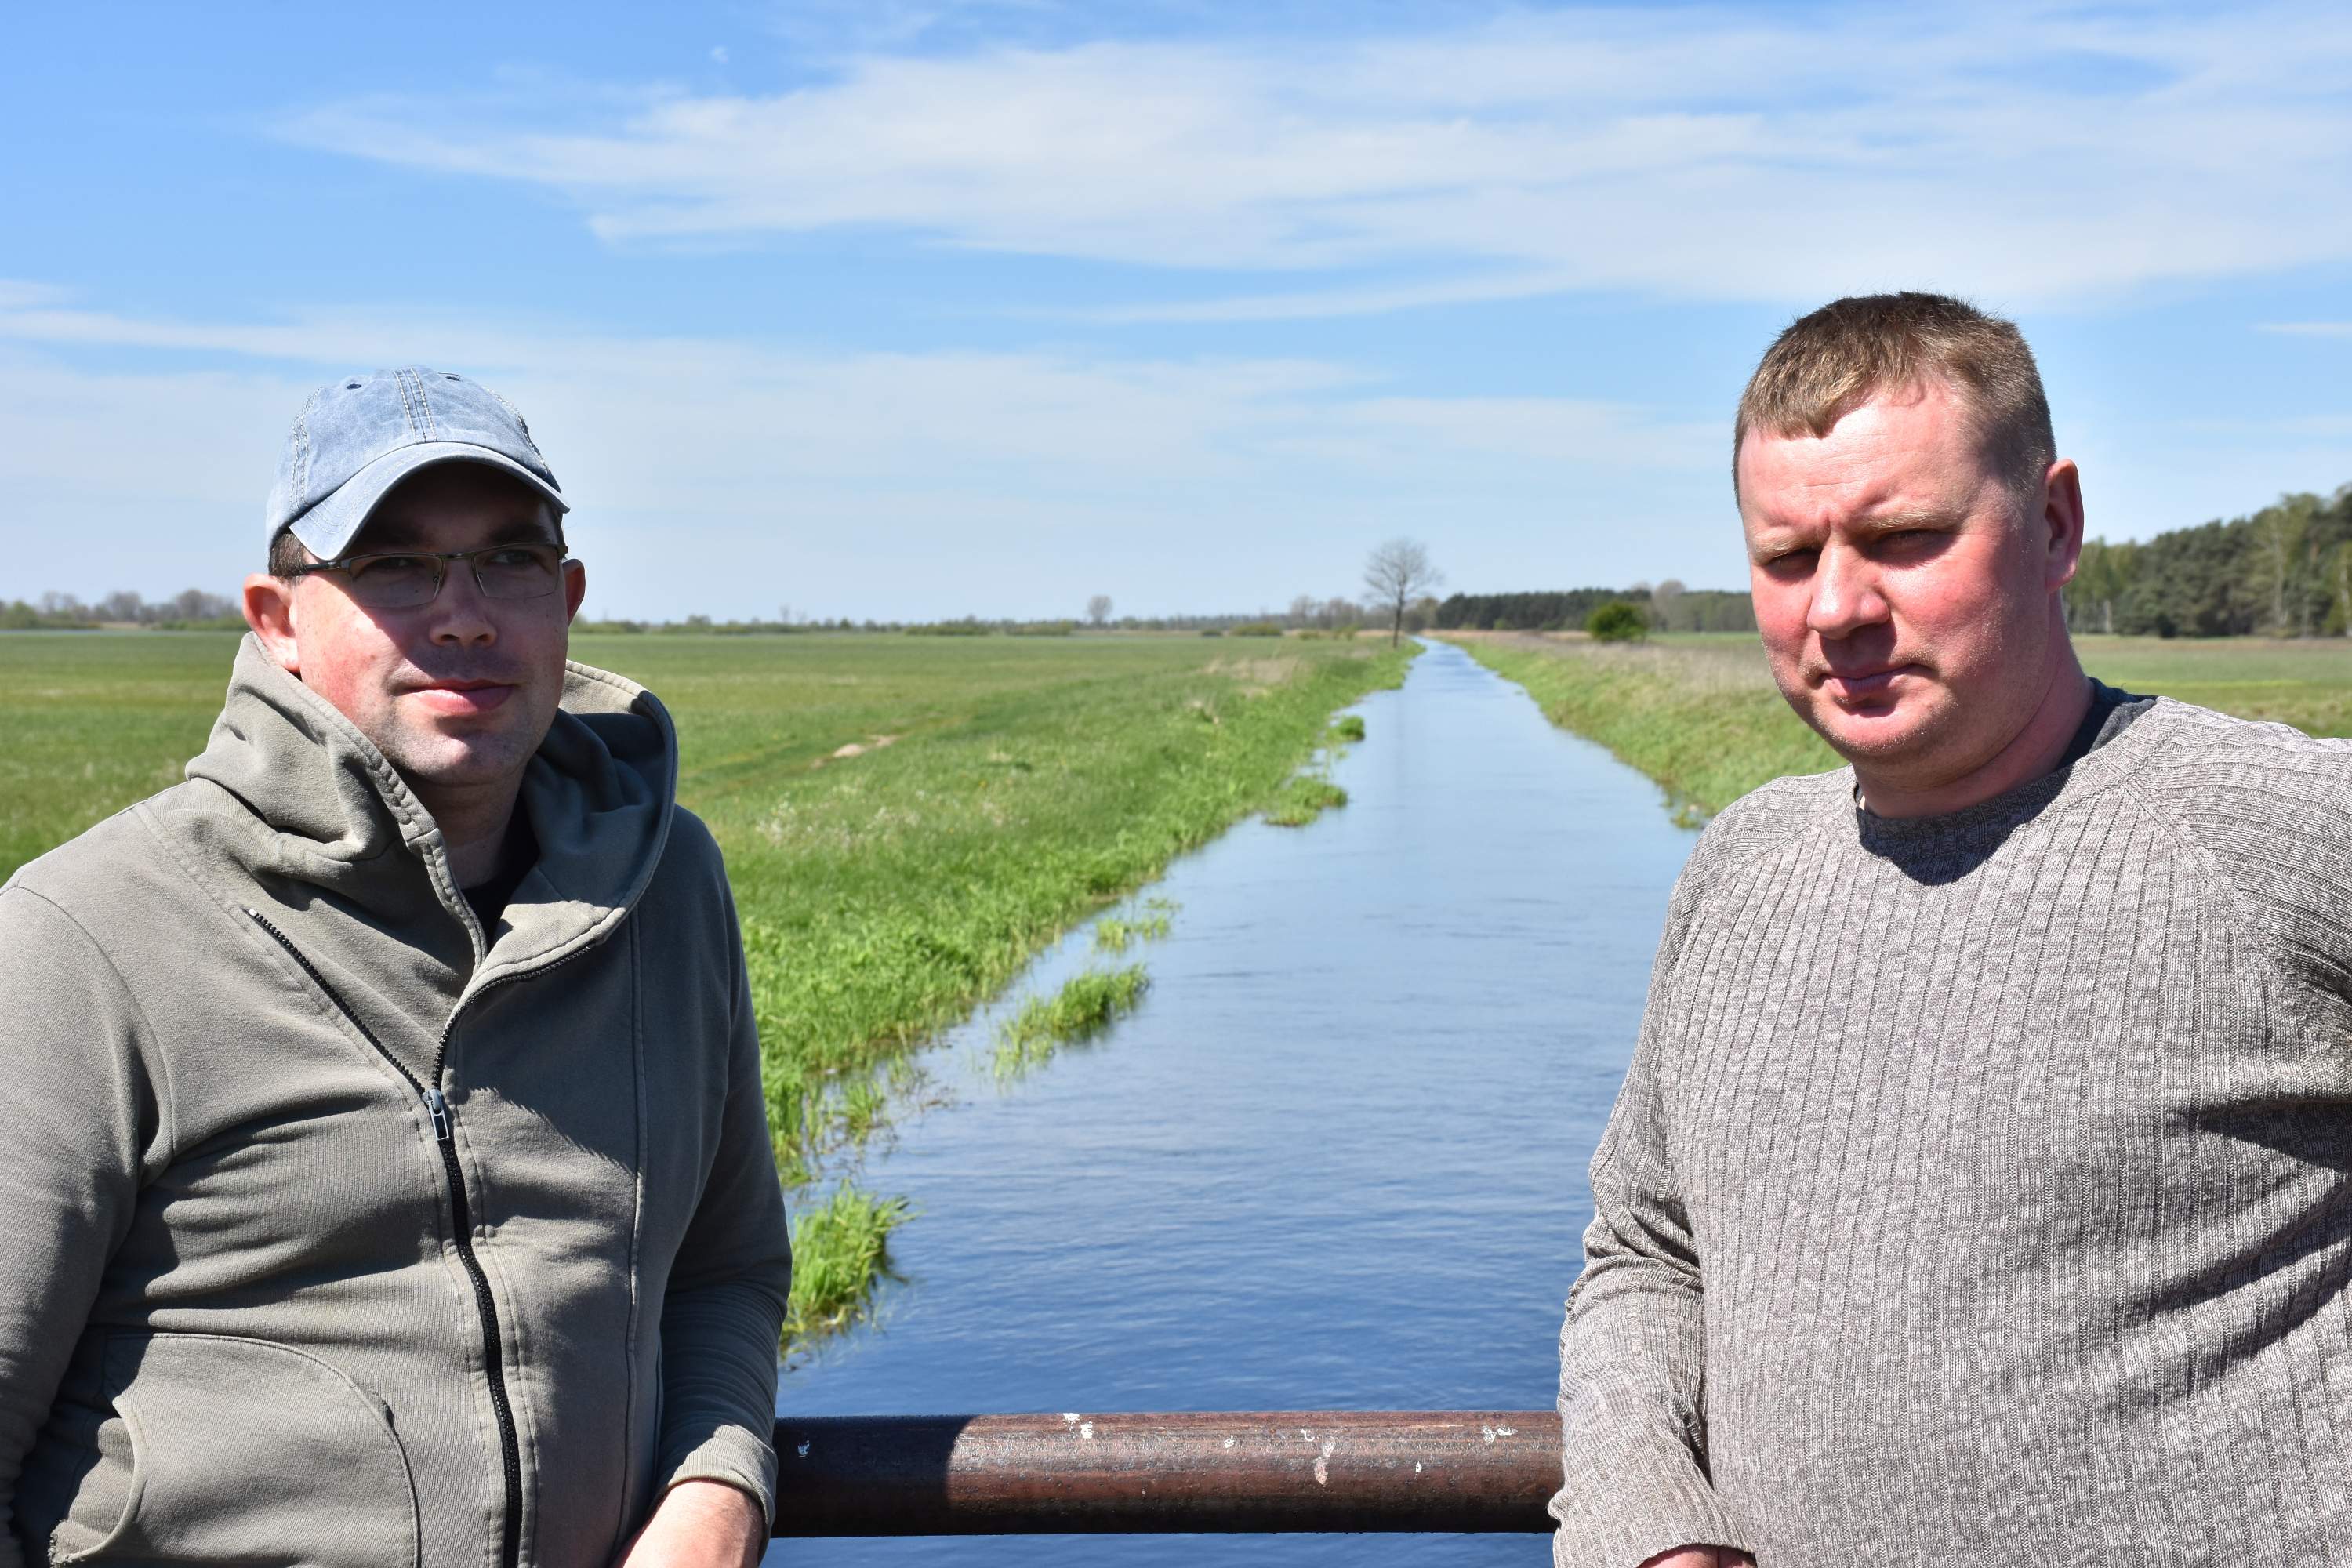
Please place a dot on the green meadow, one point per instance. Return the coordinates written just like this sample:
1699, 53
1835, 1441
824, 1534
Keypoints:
906, 821
1699, 714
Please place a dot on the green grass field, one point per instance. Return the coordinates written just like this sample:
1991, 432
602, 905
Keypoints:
907, 820
90, 721
1700, 713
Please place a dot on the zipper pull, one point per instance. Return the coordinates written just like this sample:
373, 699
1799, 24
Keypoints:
439, 1108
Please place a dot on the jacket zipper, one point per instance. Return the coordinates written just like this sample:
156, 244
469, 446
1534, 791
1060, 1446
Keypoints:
461, 1221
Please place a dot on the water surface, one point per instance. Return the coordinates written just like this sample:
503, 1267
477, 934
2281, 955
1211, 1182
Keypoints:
1335, 1161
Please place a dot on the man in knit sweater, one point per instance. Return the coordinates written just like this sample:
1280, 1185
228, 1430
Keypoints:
1977, 1192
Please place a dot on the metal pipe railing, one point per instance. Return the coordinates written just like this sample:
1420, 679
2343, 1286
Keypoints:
1306, 1470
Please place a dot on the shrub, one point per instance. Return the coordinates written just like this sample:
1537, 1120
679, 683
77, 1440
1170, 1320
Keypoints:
1255, 629
1618, 622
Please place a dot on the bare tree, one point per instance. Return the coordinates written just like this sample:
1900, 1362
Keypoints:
1662, 600
195, 605
1302, 610
1099, 608
1396, 574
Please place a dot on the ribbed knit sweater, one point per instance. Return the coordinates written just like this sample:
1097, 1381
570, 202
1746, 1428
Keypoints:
1980, 1189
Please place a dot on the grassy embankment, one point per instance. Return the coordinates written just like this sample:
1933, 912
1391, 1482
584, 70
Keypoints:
1701, 716
905, 821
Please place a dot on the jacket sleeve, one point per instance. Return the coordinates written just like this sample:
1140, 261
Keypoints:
724, 1312
84, 1125
1633, 1351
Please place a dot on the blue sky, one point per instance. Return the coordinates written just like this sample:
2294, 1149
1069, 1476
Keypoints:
910, 311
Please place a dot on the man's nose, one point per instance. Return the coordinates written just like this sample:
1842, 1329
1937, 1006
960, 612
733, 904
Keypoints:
460, 614
1845, 595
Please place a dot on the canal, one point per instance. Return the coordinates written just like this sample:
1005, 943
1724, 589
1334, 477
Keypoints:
1337, 1158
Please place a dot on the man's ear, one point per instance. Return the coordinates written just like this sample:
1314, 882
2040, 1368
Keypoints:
270, 611
2061, 530
576, 589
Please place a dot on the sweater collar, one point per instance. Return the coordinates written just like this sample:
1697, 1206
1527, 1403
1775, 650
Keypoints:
1968, 836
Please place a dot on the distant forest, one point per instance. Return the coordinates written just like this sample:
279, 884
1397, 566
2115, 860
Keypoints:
1670, 606
2284, 572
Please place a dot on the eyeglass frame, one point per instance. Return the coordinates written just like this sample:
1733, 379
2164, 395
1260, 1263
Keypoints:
440, 559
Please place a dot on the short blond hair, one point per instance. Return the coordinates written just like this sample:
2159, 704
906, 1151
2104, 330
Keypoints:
1829, 362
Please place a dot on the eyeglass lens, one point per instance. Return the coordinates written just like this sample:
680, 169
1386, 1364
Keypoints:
502, 572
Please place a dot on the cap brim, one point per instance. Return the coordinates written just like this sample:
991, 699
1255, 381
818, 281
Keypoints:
328, 529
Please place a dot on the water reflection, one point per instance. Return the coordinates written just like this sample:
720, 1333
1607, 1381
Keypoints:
1337, 1160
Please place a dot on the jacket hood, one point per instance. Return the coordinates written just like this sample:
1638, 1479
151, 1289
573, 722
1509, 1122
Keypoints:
324, 807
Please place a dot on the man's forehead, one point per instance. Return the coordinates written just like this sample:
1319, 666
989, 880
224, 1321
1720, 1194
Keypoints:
1908, 454
1784, 495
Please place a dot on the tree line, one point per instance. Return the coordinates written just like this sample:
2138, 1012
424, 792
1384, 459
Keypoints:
1667, 606
194, 608
2286, 571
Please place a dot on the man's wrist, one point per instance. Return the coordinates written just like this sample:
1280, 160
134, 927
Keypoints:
700, 1522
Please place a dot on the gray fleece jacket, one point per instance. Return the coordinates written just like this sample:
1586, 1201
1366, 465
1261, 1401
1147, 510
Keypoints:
339, 1230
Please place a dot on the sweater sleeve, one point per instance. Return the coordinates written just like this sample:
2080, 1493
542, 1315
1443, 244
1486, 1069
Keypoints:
725, 1308
1632, 1350
83, 1126
2270, 810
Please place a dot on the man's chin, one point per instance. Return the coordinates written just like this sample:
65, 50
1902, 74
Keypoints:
1873, 732
439, 762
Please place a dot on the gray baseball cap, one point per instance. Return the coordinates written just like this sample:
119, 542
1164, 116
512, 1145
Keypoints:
359, 436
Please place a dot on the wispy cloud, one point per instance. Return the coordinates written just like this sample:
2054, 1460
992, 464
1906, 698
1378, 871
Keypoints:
16, 294
811, 467
2046, 153
1309, 304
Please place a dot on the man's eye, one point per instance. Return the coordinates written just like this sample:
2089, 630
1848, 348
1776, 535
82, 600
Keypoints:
1789, 561
391, 565
516, 557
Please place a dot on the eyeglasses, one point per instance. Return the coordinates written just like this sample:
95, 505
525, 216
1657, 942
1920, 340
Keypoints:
403, 580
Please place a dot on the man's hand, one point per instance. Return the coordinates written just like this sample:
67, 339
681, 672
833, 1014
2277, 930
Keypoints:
1702, 1557
700, 1524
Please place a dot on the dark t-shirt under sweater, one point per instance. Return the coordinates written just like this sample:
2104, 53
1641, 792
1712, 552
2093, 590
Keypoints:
1980, 1189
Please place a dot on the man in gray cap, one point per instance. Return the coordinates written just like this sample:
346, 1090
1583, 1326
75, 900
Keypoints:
389, 1179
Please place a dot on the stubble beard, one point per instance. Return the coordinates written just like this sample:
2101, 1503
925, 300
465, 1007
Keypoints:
435, 763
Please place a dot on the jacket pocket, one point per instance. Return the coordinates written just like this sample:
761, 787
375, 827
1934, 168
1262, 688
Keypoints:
237, 1450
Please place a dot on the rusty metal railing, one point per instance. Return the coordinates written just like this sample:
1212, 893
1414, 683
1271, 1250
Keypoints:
1308, 1470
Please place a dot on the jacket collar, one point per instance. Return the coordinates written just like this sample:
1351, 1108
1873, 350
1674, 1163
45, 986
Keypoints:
330, 811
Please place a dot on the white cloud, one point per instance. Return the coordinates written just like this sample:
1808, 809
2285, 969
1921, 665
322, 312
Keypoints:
17, 294
2030, 155
871, 482
1325, 302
